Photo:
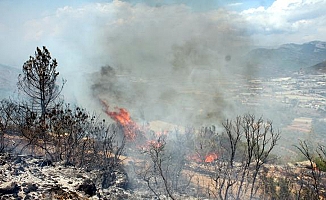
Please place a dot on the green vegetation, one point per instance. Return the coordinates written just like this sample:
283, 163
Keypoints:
320, 164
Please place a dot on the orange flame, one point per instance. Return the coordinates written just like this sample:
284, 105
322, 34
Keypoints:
130, 128
211, 157
122, 117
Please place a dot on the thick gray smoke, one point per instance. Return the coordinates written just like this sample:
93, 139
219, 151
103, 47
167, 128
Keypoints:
169, 63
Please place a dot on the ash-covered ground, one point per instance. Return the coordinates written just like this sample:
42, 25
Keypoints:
31, 177
28, 177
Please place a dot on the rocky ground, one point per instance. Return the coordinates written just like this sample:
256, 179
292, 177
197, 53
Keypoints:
27, 177
30, 177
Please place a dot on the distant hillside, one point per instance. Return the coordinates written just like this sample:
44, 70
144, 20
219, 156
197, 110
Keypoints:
286, 59
8, 80
319, 68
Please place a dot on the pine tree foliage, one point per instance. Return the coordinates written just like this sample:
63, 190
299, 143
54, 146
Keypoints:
38, 80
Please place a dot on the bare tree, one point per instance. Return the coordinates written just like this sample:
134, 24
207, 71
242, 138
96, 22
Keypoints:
162, 168
233, 132
315, 173
226, 174
245, 146
262, 139
156, 170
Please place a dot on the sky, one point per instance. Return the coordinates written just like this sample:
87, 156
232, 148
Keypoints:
27, 24
151, 38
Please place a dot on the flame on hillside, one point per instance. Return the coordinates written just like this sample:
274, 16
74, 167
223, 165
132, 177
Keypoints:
130, 128
210, 157
122, 117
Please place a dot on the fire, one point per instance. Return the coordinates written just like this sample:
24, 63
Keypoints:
122, 117
211, 157
130, 128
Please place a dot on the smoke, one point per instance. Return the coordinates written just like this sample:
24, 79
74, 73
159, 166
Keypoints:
169, 63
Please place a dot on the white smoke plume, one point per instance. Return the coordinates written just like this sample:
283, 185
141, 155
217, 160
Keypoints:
164, 62
169, 63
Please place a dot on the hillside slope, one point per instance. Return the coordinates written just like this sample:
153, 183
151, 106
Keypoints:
318, 68
286, 59
8, 80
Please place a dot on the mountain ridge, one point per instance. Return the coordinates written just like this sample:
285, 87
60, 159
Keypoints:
287, 58
283, 60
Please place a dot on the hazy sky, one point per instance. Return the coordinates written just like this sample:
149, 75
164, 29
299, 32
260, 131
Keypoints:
71, 25
152, 38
